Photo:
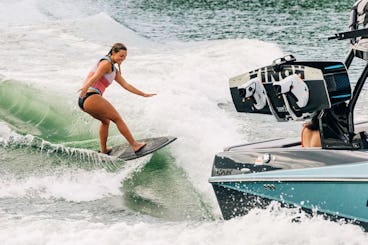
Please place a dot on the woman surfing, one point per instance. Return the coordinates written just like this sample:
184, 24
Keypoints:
91, 100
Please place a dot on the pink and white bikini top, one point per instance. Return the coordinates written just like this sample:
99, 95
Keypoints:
100, 85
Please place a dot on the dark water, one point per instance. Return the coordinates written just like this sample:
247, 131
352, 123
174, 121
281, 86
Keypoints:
300, 27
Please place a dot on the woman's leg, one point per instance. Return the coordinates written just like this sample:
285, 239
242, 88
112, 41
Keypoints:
102, 110
104, 133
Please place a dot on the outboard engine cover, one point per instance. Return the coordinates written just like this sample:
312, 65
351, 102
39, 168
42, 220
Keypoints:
253, 89
296, 87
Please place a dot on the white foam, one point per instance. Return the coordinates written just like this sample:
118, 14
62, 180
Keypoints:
8, 136
107, 31
69, 184
190, 79
66, 183
20, 12
28, 12
57, 55
256, 228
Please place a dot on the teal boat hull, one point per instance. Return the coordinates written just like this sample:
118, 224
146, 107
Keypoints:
338, 191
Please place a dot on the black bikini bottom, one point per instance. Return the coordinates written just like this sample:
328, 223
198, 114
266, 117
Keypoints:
83, 99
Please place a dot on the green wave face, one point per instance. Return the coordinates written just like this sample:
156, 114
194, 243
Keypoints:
39, 113
162, 190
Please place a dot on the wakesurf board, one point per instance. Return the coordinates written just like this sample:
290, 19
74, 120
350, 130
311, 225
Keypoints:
125, 152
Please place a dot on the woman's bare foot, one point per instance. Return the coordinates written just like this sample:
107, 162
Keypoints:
107, 152
137, 146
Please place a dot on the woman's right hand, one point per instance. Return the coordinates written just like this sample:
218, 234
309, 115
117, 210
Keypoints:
83, 92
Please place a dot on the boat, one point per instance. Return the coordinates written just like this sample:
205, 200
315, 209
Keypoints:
331, 179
